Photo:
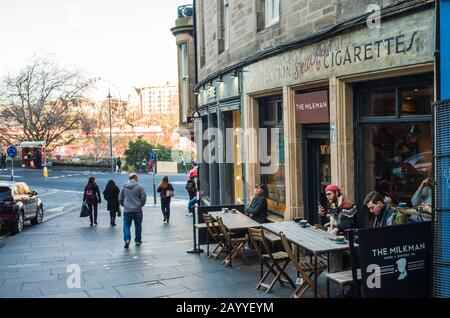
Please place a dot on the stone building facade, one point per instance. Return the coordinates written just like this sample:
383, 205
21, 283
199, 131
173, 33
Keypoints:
334, 96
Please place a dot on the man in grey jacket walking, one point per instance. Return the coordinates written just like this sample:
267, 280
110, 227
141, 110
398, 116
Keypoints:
132, 197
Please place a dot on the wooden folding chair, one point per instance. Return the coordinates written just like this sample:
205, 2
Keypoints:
305, 269
214, 232
235, 245
271, 260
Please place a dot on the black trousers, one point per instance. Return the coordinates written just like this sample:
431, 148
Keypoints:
165, 207
113, 214
93, 206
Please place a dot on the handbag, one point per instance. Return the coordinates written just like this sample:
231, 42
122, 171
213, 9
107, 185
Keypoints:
170, 193
84, 210
119, 212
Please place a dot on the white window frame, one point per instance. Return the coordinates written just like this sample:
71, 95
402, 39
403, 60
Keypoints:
226, 24
184, 61
272, 12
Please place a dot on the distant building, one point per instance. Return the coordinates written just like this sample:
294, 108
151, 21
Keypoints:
154, 103
135, 103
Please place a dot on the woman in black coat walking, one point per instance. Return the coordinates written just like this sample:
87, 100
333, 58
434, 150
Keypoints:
92, 198
166, 191
111, 195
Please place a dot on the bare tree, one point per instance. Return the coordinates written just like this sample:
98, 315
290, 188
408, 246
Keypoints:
42, 103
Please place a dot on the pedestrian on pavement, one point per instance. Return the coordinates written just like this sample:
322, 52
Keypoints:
166, 191
132, 197
93, 198
3, 161
111, 195
119, 165
193, 176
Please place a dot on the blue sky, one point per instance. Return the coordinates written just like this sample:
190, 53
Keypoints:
127, 42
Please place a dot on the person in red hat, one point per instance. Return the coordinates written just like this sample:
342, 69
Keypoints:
192, 186
339, 212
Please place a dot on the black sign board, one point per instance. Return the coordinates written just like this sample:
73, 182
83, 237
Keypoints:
396, 261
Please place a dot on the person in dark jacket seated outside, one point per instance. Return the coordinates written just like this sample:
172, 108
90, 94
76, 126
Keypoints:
257, 209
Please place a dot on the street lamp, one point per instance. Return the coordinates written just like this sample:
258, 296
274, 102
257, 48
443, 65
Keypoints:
110, 132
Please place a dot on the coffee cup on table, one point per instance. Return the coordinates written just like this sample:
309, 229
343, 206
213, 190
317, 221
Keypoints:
303, 223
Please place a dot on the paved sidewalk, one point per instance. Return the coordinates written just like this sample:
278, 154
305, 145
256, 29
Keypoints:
34, 263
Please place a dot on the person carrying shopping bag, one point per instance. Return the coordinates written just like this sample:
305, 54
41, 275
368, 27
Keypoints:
92, 197
166, 191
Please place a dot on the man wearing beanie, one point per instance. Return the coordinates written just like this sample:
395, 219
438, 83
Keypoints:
339, 212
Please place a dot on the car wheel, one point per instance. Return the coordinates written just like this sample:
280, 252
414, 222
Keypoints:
39, 217
17, 226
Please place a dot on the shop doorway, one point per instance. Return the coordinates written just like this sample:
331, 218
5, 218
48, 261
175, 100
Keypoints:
317, 168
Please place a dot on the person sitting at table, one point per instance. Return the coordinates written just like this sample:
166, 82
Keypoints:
339, 212
423, 196
385, 188
384, 214
257, 209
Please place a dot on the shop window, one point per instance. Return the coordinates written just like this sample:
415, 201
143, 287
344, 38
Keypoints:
416, 100
204, 166
271, 119
395, 151
399, 154
378, 103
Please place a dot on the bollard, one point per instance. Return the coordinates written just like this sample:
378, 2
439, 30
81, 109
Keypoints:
45, 173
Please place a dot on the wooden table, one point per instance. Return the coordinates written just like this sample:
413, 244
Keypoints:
235, 221
309, 238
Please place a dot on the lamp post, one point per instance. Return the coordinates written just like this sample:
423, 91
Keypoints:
110, 133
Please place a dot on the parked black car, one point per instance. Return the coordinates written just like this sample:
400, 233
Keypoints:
19, 204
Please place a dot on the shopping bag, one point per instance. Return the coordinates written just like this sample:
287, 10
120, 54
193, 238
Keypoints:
170, 193
84, 210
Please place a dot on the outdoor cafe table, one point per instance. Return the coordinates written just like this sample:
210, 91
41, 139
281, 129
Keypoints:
309, 238
235, 221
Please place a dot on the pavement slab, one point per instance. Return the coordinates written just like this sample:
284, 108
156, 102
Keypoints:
40, 261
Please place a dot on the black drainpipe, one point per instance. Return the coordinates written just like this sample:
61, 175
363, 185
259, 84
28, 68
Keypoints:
194, 36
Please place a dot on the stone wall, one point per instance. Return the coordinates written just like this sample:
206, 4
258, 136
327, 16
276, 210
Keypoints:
298, 19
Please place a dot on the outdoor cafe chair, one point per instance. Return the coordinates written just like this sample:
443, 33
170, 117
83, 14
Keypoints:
235, 245
305, 269
271, 260
217, 236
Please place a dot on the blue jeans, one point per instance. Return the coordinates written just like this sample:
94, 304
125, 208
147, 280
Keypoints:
191, 205
127, 220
